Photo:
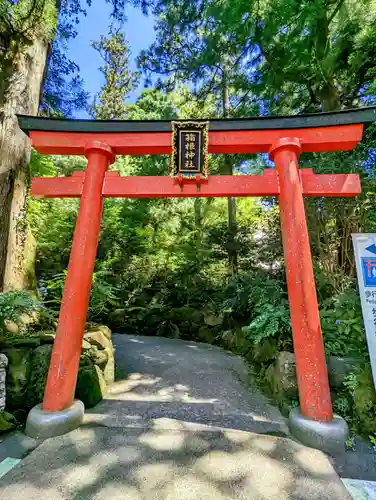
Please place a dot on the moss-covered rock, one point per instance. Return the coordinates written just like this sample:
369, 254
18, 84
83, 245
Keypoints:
212, 319
18, 375
340, 368
47, 337
190, 314
263, 352
16, 342
98, 338
7, 422
11, 326
118, 317
208, 335
101, 351
98, 357
86, 346
91, 386
40, 364
227, 339
281, 376
100, 328
240, 344
365, 402
109, 369
181, 322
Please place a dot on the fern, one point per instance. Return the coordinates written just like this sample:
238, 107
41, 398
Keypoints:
271, 321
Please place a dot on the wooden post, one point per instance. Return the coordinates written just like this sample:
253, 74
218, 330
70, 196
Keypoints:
312, 375
62, 375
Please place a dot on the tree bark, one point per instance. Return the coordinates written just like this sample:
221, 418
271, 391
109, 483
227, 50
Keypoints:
198, 225
329, 96
231, 202
328, 92
19, 94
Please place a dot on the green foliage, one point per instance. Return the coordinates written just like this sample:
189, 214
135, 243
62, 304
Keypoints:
22, 23
342, 325
25, 20
157, 255
364, 399
350, 443
109, 103
372, 438
47, 319
351, 382
319, 53
294, 55
342, 405
63, 91
52, 220
13, 304
265, 301
104, 296
272, 321
357, 402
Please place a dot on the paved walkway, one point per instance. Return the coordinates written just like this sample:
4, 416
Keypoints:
198, 383
179, 424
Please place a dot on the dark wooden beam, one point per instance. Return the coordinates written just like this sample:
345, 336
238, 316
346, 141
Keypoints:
337, 118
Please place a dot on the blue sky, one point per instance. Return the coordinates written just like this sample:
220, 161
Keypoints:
138, 30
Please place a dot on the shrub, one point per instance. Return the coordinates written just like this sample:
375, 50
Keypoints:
262, 301
271, 321
342, 325
13, 305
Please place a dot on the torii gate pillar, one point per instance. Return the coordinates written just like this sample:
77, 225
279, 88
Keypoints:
65, 359
315, 402
59, 413
314, 423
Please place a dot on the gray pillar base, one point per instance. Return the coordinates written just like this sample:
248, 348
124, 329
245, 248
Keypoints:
45, 424
329, 437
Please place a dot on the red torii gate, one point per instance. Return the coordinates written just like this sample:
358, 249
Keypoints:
284, 138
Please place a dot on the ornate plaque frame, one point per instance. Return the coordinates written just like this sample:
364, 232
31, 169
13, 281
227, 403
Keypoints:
189, 149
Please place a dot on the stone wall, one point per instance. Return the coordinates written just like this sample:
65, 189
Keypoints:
28, 360
3, 367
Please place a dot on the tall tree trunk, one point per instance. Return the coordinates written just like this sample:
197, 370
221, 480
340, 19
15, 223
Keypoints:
328, 92
231, 202
329, 96
198, 224
20, 93
330, 100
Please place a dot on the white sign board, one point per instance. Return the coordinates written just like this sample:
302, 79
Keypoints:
365, 258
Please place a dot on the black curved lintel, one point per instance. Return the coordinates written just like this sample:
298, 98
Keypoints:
346, 117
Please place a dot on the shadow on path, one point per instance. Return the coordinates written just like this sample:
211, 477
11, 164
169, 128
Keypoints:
173, 427
172, 464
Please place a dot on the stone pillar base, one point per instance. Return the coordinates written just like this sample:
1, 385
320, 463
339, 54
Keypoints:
329, 437
45, 424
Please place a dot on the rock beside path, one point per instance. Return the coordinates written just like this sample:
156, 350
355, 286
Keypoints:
281, 374
28, 364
